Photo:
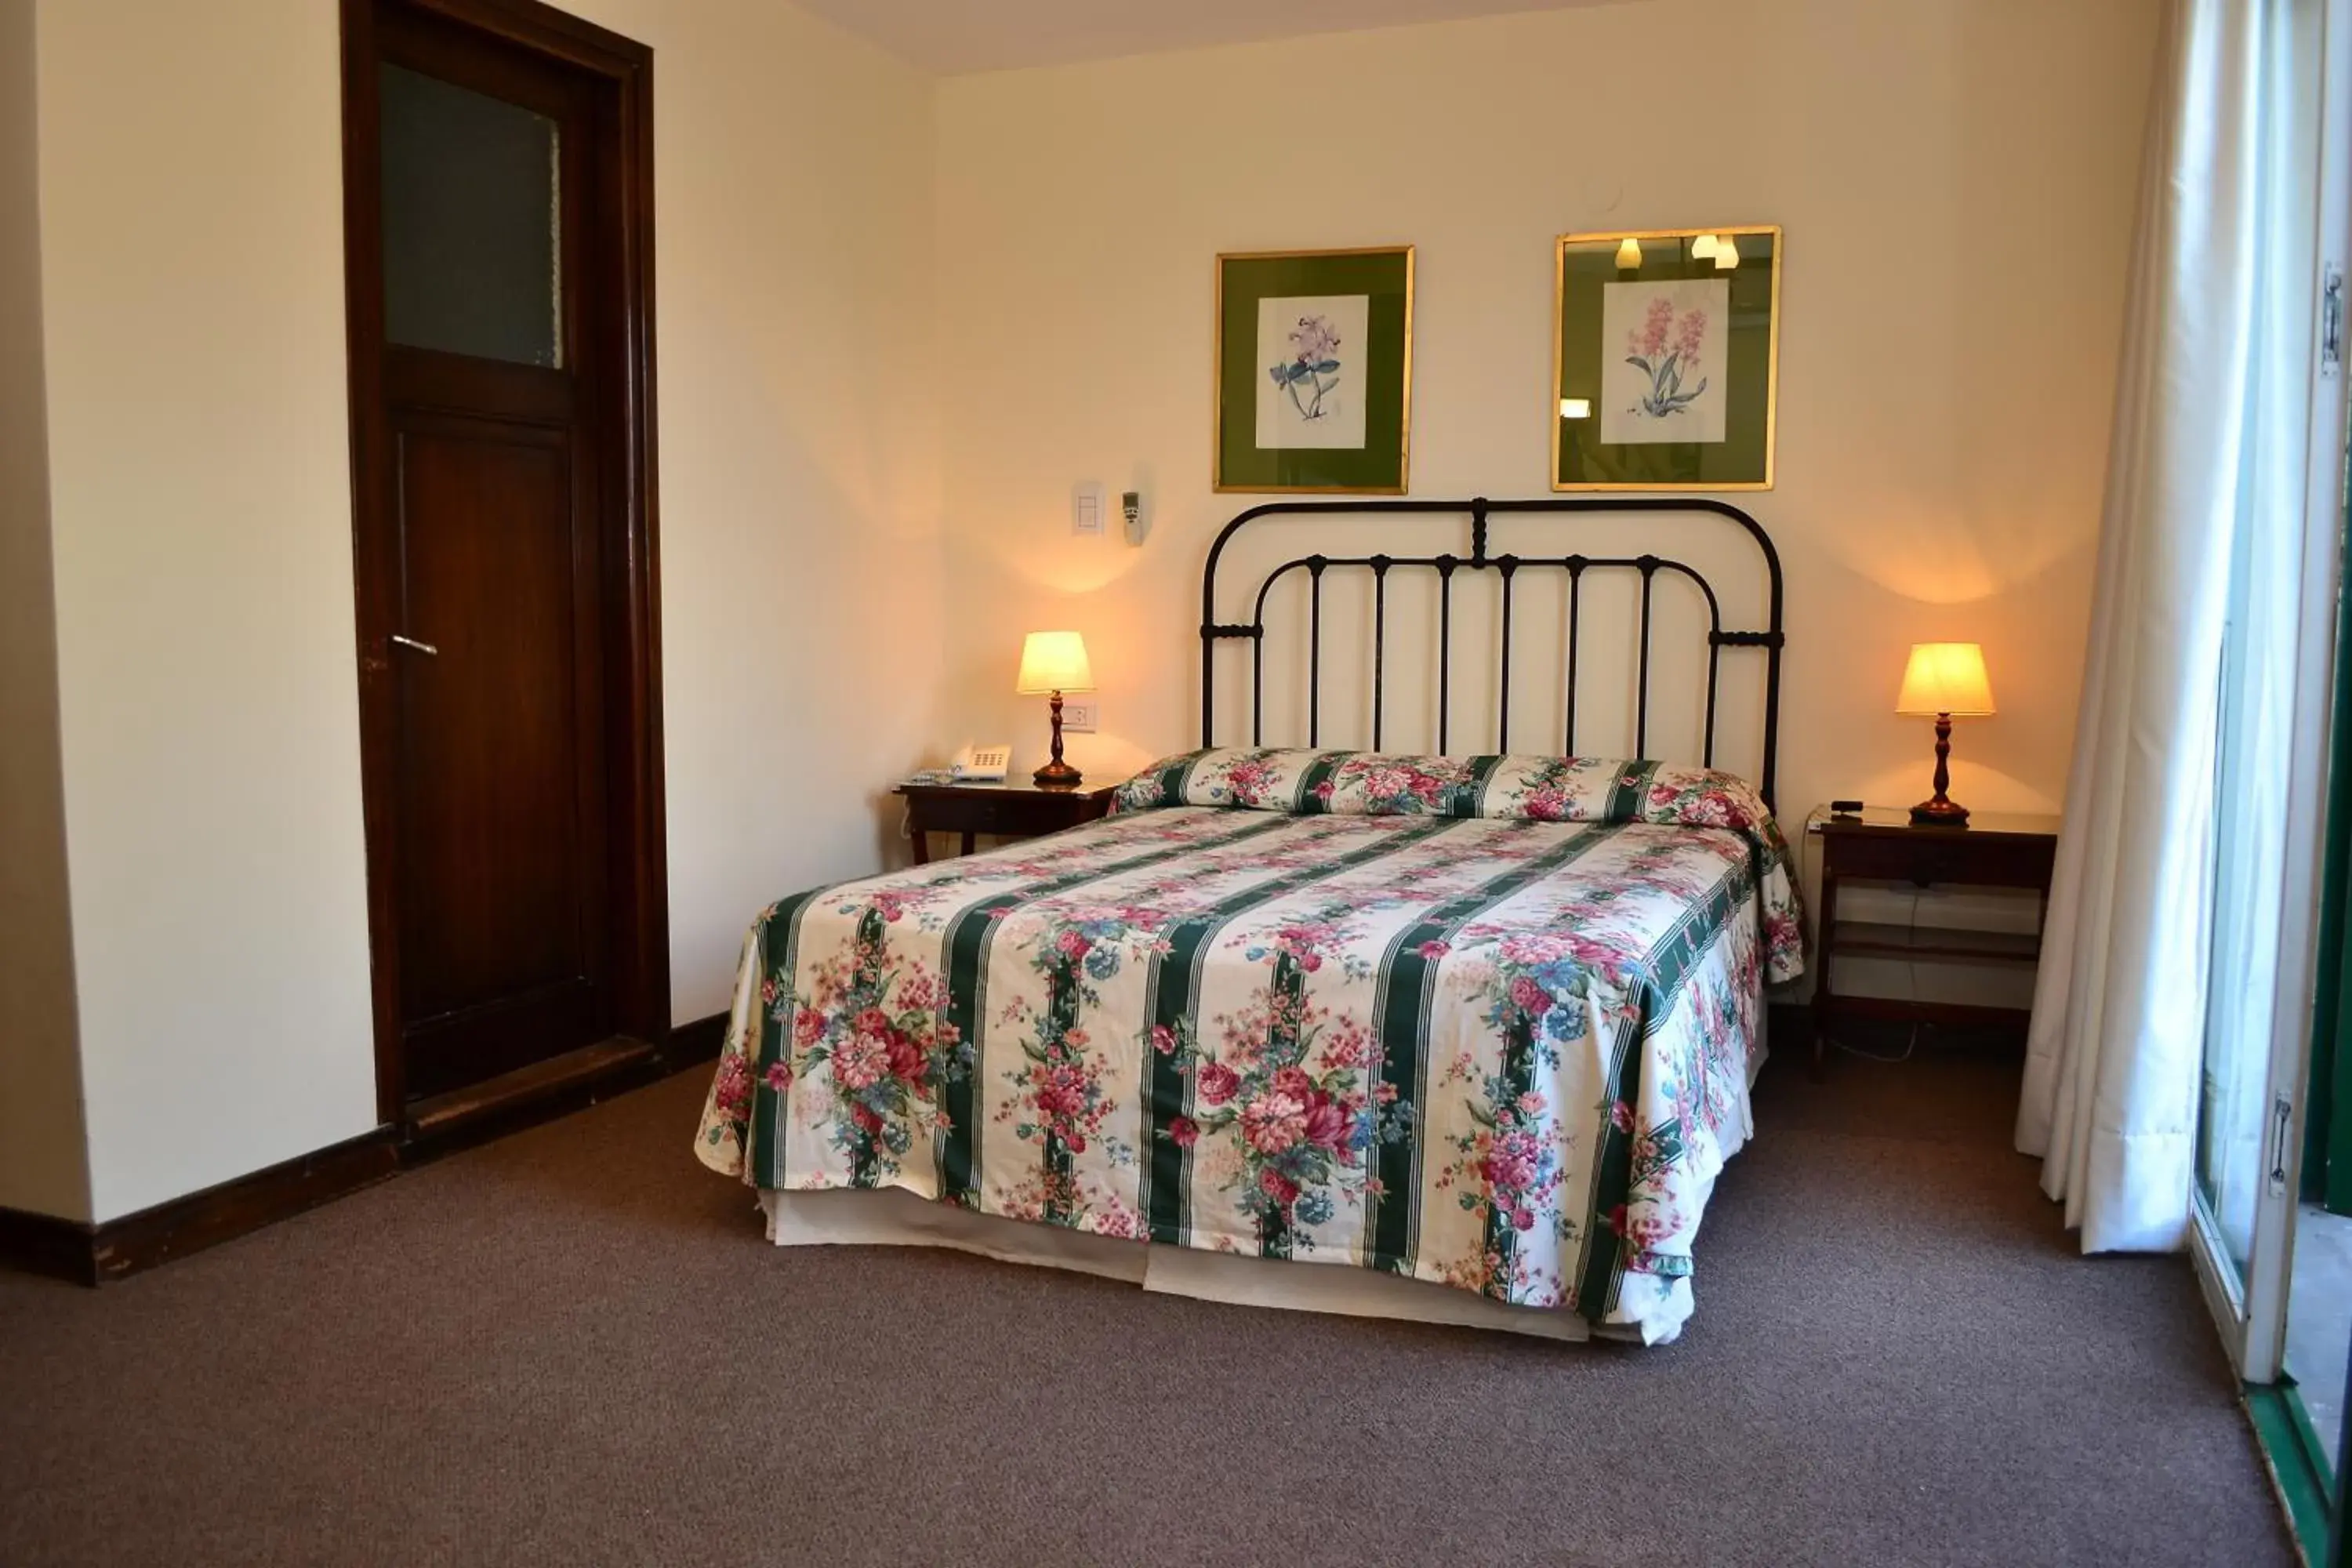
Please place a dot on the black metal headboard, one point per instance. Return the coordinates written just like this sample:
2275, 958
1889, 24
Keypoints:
1718, 638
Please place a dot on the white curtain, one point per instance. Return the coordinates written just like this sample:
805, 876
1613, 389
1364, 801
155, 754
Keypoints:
2211, 414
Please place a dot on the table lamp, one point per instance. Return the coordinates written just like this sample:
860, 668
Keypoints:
1054, 662
1944, 680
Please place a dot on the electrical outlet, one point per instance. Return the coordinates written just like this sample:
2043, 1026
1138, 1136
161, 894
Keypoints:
1078, 716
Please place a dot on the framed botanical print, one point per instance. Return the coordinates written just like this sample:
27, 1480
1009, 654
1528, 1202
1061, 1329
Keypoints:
1314, 371
1666, 360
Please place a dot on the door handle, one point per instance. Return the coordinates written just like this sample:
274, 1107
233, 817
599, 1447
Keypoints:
412, 642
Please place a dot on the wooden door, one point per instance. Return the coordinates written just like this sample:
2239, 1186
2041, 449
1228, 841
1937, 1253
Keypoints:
500, 617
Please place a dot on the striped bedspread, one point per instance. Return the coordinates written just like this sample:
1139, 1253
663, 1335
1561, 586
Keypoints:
1484, 1022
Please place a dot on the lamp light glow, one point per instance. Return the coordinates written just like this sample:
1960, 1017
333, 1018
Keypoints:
1727, 253
1946, 677
1629, 254
1054, 661
1576, 408
1703, 248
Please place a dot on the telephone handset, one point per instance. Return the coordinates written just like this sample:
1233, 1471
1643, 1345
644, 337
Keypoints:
988, 764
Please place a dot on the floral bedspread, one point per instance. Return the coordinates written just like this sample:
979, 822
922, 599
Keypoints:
1486, 1022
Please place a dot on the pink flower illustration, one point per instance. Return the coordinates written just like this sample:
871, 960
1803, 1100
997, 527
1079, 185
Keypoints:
1183, 1131
1666, 349
1689, 339
733, 1092
1649, 339
1217, 1083
1512, 1166
1060, 1091
1314, 362
1326, 1123
906, 1057
1274, 1122
861, 1060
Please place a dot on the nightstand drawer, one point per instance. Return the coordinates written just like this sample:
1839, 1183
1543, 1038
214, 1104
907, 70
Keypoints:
1948, 858
1016, 815
999, 810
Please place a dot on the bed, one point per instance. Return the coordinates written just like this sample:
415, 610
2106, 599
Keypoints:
1474, 1032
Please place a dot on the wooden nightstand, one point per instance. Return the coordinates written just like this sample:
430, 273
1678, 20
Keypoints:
1015, 809
1995, 850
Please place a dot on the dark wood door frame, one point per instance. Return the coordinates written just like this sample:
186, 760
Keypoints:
623, 284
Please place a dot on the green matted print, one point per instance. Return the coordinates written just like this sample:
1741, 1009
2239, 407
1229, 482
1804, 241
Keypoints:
1666, 352
1314, 371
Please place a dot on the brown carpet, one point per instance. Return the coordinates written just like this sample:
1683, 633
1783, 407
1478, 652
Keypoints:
573, 1347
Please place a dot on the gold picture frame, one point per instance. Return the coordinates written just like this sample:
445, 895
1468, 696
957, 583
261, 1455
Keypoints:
1586, 371
1383, 275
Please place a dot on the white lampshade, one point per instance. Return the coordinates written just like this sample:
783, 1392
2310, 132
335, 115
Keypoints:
1629, 254
1946, 677
1055, 661
1727, 253
1702, 247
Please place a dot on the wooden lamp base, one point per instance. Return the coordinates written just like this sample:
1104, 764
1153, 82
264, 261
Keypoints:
1940, 810
1057, 773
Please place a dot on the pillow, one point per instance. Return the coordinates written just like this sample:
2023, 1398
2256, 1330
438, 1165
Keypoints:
1536, 788
1381, 783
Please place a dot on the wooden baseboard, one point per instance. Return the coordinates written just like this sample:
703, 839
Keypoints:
98, 1254
44, 1244
141, 1241
554, 1079
691, 1045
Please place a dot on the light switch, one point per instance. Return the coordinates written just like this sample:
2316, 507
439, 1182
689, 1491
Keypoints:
1087, 508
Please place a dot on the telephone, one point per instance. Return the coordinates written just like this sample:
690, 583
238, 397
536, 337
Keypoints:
982, 762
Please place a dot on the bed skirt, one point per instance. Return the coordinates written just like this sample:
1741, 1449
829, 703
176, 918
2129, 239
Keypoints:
890, 1217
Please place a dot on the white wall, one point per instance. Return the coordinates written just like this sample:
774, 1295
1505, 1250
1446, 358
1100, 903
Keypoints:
43, 1167
1955, 179
798, 474
896, 320
191, 245
191, 241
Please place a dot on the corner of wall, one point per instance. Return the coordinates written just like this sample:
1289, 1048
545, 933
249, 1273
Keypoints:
44, 1143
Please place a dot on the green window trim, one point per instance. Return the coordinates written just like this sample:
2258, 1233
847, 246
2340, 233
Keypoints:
2298, 1468
2326, 1135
